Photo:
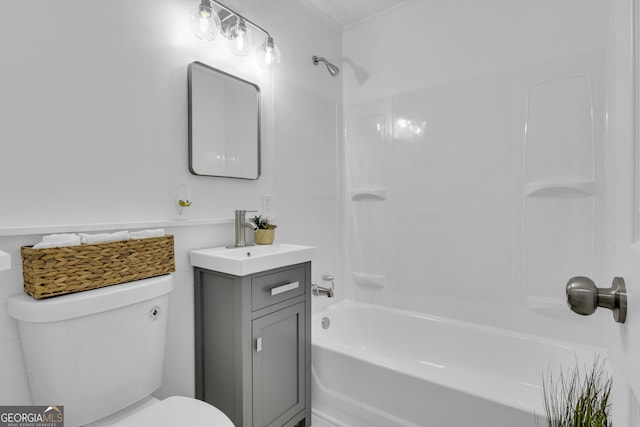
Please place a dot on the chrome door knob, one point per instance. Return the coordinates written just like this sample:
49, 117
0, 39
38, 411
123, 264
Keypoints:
583, 297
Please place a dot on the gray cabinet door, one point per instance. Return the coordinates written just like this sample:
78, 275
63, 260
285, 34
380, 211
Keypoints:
279, 366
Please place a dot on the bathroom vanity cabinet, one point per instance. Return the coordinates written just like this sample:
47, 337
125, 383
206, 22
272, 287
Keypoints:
253, 345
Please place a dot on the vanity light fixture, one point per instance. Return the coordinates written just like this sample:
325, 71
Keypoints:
205, 22
268, 54
240, 38
211, 17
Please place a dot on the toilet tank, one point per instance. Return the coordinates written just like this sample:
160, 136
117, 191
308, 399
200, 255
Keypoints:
95, 352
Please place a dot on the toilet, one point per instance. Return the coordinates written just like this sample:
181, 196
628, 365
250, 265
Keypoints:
100, 355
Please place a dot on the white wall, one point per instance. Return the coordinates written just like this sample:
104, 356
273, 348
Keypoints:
456, 233
94, 137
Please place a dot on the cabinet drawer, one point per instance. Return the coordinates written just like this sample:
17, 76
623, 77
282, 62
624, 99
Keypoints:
275, 287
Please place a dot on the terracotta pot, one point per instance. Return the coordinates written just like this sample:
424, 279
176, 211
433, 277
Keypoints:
264, 237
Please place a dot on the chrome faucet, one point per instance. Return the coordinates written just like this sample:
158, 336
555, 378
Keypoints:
241, 225
321, 290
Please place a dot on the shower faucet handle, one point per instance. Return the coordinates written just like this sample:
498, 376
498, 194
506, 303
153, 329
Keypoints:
583, 297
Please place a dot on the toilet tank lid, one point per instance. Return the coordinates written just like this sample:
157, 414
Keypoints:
28, 309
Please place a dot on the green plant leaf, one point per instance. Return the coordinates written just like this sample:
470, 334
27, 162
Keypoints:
577, 401
263, 223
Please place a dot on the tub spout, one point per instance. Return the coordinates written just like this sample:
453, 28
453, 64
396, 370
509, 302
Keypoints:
320, 291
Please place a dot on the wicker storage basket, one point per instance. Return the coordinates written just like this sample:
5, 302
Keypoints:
57, 271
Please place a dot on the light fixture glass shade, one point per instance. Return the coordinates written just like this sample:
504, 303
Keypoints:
268, 54
205, 22
240, 38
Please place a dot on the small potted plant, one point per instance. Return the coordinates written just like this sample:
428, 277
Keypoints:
265, 232
578, 399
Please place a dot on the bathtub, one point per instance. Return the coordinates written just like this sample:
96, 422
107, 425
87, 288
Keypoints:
381, 367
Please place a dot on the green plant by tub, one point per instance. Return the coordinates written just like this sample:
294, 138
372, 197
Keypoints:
263, 223
577, 401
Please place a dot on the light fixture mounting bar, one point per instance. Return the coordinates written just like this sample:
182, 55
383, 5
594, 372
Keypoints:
233, 12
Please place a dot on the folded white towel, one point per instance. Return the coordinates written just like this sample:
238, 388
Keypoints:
5, 261
89, 239
61, 237
58, 240
155, 232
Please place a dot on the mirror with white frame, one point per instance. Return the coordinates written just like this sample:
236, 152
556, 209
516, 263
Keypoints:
224, 124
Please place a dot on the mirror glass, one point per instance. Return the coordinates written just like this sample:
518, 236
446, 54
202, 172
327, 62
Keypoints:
224, 124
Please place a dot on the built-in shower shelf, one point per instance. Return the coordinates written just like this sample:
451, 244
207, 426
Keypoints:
368, 280
559, 190
376, 194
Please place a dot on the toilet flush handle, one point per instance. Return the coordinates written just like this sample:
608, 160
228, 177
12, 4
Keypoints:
154, 312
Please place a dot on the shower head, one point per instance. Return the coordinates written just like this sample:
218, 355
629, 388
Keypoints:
333, 70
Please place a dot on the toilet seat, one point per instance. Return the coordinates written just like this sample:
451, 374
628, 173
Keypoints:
177, 411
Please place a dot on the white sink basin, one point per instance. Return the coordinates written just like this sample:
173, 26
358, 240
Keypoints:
250, 259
